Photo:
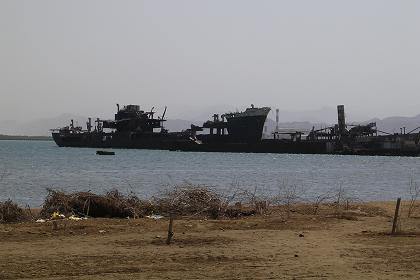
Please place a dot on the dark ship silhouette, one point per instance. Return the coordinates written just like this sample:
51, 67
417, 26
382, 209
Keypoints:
235, 132
134, 128
131, 128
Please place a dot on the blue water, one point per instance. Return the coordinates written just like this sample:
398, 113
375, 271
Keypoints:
28, 168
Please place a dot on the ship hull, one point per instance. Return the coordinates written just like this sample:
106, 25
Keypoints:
398, 145
123, 140
264, 146
373, 146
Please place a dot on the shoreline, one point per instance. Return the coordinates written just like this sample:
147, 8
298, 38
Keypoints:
348, 244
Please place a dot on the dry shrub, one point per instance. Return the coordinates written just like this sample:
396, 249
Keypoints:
343, 200
193, 200
255, 202
240, 202
237, 212
112, 205
186, 200
190, 200
287, 198
414, 190
10, 212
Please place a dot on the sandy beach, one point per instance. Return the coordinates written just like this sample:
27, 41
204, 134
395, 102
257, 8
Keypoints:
352, 245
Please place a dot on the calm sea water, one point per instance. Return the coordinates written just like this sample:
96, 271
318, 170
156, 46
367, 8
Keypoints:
27, 168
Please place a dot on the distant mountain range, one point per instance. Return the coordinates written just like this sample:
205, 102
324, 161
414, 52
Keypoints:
39, 127
42, 127
14, 137
393, 124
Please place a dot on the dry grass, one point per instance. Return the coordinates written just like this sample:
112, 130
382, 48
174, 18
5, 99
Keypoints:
10, 212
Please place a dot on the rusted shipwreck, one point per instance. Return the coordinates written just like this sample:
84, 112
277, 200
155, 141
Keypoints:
235, 132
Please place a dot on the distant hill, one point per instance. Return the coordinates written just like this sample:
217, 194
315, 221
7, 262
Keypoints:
323, 115
42, 127
393, 124
39, 127
390, 124
177, 122
178, 125
16, 137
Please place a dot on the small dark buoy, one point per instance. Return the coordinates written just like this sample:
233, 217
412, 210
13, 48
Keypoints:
105, 153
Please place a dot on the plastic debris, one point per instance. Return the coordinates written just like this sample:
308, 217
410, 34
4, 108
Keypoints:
57, 215
154, 217
40, 221
74, 218
102, 231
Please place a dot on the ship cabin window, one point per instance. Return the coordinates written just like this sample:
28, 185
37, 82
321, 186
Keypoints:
207, 131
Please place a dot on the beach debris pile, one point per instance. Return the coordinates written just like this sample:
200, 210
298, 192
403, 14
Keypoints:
184, 200
187, 200
10, 212
190, 200
112, 204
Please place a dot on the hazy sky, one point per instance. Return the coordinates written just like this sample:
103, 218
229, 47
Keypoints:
84, 56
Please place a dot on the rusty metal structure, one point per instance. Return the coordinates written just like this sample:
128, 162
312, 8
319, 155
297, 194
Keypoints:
131, 128
236, 132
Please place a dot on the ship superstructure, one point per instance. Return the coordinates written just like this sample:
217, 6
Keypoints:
237, 127
131, 128
247, 125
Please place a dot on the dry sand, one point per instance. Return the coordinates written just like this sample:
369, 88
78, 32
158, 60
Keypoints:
355, 245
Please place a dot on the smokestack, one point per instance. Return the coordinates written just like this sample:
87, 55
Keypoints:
341, 119
277, 119
89, 125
